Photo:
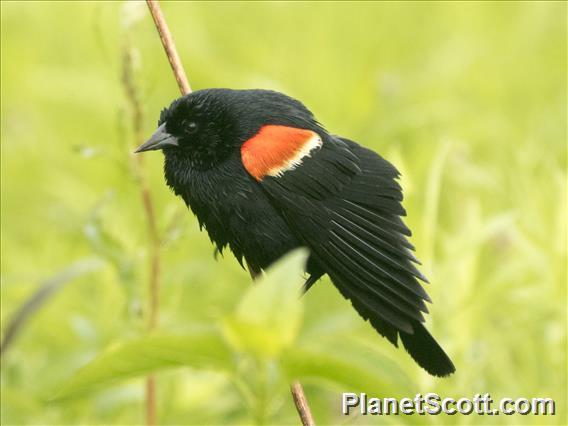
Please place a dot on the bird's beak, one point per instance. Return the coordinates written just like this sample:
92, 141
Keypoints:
159, 140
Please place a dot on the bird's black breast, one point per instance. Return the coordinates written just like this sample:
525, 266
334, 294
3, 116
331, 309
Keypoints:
233, 209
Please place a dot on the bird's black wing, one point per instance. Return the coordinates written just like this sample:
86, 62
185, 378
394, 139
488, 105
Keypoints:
344, 203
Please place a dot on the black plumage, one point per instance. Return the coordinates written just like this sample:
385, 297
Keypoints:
264, 177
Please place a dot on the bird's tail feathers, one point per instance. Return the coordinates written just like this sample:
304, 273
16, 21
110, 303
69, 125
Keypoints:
417, 341
424, 349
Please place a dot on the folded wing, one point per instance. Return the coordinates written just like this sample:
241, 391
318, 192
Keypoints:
344, 203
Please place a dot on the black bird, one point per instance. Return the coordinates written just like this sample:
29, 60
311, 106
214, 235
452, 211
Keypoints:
264, 177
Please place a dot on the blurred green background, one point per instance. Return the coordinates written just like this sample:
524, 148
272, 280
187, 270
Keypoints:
467, 99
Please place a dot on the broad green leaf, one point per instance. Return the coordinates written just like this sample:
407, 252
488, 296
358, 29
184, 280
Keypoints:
147, 354
350, 372
268, 317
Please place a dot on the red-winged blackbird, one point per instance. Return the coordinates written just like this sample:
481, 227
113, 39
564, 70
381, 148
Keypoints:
264, 177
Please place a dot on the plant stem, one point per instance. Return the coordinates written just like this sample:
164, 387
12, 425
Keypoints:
302, 404
133, 97
150, 400
169, 46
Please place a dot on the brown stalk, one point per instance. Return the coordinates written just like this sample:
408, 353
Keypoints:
169, 46
301, 404
177, 67
133, 97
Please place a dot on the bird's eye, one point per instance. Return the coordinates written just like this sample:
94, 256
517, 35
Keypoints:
190, 126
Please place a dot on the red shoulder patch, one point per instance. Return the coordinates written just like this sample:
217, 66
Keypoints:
276, 149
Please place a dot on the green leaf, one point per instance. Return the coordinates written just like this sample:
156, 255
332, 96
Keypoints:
350, 371
269, 316
151, 353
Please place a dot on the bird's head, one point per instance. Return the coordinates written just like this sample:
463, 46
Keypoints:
208, 125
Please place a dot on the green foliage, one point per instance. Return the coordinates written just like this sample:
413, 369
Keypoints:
147, 354
468, 100
267, 319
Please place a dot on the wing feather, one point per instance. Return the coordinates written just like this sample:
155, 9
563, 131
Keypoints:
399, 297
344, 203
